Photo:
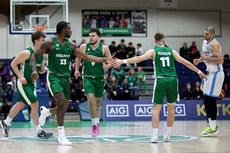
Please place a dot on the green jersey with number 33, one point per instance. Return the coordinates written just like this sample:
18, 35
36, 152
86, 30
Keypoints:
93, 69
164, 62
59, 58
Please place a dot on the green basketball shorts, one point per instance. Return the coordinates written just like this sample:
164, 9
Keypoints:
94, 85
26, 93
58, 84
165, 86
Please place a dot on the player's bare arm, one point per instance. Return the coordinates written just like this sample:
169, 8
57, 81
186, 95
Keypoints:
106, 53
215, 48
22, 57
81, 54
42, 67
46, 47
149, 54
183, 61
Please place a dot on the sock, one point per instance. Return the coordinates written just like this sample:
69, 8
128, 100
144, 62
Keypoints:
8, 120
212, 124
94, 121
98, 120
168, 131
38, 128
61, 131
48, 112
209, 120
155, 131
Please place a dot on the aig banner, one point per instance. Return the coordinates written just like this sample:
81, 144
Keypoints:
142, 110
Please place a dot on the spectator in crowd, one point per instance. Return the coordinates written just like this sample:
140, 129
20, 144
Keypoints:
187, 94
119, 73
139, 50
111, 22
93, 22
141, 77
1, 97
226, 67
117, 22
8, 97
125, 87
132, 78
4, 73
193, 51
114, 89
121, 50
122, 21
197, 92
83, 41
73, 94
113, 48
102, 41
185, 53
130, 50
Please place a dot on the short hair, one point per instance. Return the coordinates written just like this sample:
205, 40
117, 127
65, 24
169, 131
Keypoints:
95, 30
60, 26
122, 40
130, 43
159, 36
37, 35
139, 44
210, 29
113, 42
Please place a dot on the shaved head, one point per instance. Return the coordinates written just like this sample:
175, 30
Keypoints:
211, 29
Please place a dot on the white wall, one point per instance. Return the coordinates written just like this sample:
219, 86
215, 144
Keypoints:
11, 45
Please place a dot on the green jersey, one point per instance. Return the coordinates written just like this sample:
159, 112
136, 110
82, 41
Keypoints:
141, 75
164, 62
93, 69
132, 80
59, 58
25, 67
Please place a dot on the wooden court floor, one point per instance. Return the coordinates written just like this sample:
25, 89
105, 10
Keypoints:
117, 137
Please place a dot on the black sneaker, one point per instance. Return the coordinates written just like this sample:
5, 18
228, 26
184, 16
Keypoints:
42, 134
5, 128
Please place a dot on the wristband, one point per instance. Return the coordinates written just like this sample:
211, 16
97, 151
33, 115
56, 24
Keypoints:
199, 72
124, 61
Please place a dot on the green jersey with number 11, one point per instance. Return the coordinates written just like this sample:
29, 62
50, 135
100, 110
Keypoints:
59, 58
164, 62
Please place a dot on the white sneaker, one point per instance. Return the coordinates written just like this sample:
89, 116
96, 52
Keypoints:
154, 139
167, 138
44, 114
63, 141
26, 114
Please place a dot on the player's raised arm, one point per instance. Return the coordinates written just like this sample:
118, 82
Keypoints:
81, 54
46, 47
183, 61
149, 54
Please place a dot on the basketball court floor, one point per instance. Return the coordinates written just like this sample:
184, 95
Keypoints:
116, 137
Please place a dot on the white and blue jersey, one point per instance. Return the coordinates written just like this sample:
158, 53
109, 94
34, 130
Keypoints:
213, 85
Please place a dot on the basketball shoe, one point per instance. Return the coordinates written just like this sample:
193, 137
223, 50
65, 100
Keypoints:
98, 131
95, 131
63, 141
44, 135
5, 128
216, 131
26, 114
167, 138
207, 131
154, 139
44, 114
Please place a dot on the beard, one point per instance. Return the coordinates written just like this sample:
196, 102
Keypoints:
93, 43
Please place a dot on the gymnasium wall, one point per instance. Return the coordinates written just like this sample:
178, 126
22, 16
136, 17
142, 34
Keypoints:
11, 45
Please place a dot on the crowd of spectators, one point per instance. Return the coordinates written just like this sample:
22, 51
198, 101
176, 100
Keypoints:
189, 53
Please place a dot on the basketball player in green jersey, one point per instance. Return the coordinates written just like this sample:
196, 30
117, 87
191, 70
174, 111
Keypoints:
26, 86
165, 81
59, 51
93, 77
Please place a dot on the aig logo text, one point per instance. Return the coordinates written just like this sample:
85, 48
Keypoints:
117, 110
179, 110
